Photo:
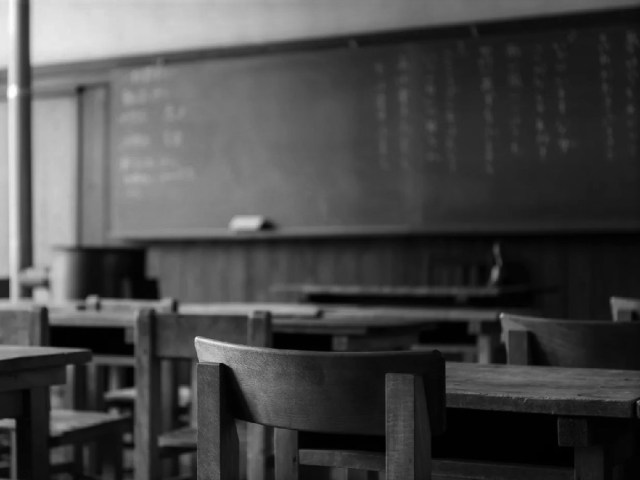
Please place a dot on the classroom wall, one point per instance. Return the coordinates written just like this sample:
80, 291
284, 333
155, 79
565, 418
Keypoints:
80, 30
54, 176
585, 269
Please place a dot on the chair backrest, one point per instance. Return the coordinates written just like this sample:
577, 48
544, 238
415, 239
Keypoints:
164, 336
625, 309
327, 392
96, 302
396, 394
23, 325
571, 343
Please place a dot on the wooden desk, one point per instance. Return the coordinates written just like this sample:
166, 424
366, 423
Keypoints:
25, 376
597, 410
356, 333
350, 327
351, 332
482, 323
483, 295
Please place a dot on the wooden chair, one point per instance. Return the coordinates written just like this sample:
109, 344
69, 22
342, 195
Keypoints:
580, 344
399, 395
625, 309
117, 395
68, 427
162, 336
571, 343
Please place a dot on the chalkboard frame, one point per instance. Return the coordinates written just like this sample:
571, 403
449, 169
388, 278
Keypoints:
485, 29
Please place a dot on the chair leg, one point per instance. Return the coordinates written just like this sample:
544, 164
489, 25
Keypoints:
218, 455
13, 467
286, 454
112, 449
408, 443
257, 451
339, 474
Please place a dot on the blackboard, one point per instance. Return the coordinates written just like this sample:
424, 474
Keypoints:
521, 129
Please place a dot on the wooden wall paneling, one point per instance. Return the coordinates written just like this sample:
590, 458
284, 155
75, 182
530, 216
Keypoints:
283, 259
260, 267
603, 265
544, 264
166, 269
192, 270
316, 259
389, 272
369, 261
418, 256
578, 285
627, 262
93, 211
347, 261
246, 270
270, 265
284, 266
240, 271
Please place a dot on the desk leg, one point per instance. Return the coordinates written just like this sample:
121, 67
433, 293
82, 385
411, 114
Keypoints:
486, 344
592, 463
340, 343
487, 340
601, 450
32, 435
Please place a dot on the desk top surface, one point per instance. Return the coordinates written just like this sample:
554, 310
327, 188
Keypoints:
420, 314
333, 318
17, 358
417, 291
548, 390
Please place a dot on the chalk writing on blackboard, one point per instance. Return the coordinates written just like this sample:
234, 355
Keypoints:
381, 97
403, 99
540, 70
560, 72
487, 87
606, 79
132, 117
450, 117
418, 132
430, 97
515, 85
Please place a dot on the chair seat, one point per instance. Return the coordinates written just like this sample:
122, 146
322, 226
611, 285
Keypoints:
72, 426
182, 439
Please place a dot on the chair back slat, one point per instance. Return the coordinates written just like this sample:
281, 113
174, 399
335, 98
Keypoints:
326, 392
174, 333
576, 343
625, 309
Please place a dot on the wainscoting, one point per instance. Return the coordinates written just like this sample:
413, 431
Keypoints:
582, 270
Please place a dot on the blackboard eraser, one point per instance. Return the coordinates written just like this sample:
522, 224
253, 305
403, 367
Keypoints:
249, 223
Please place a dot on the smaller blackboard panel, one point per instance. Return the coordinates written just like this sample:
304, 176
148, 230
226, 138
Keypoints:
521, 129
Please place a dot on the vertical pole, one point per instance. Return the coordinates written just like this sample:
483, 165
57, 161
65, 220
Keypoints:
19, 142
